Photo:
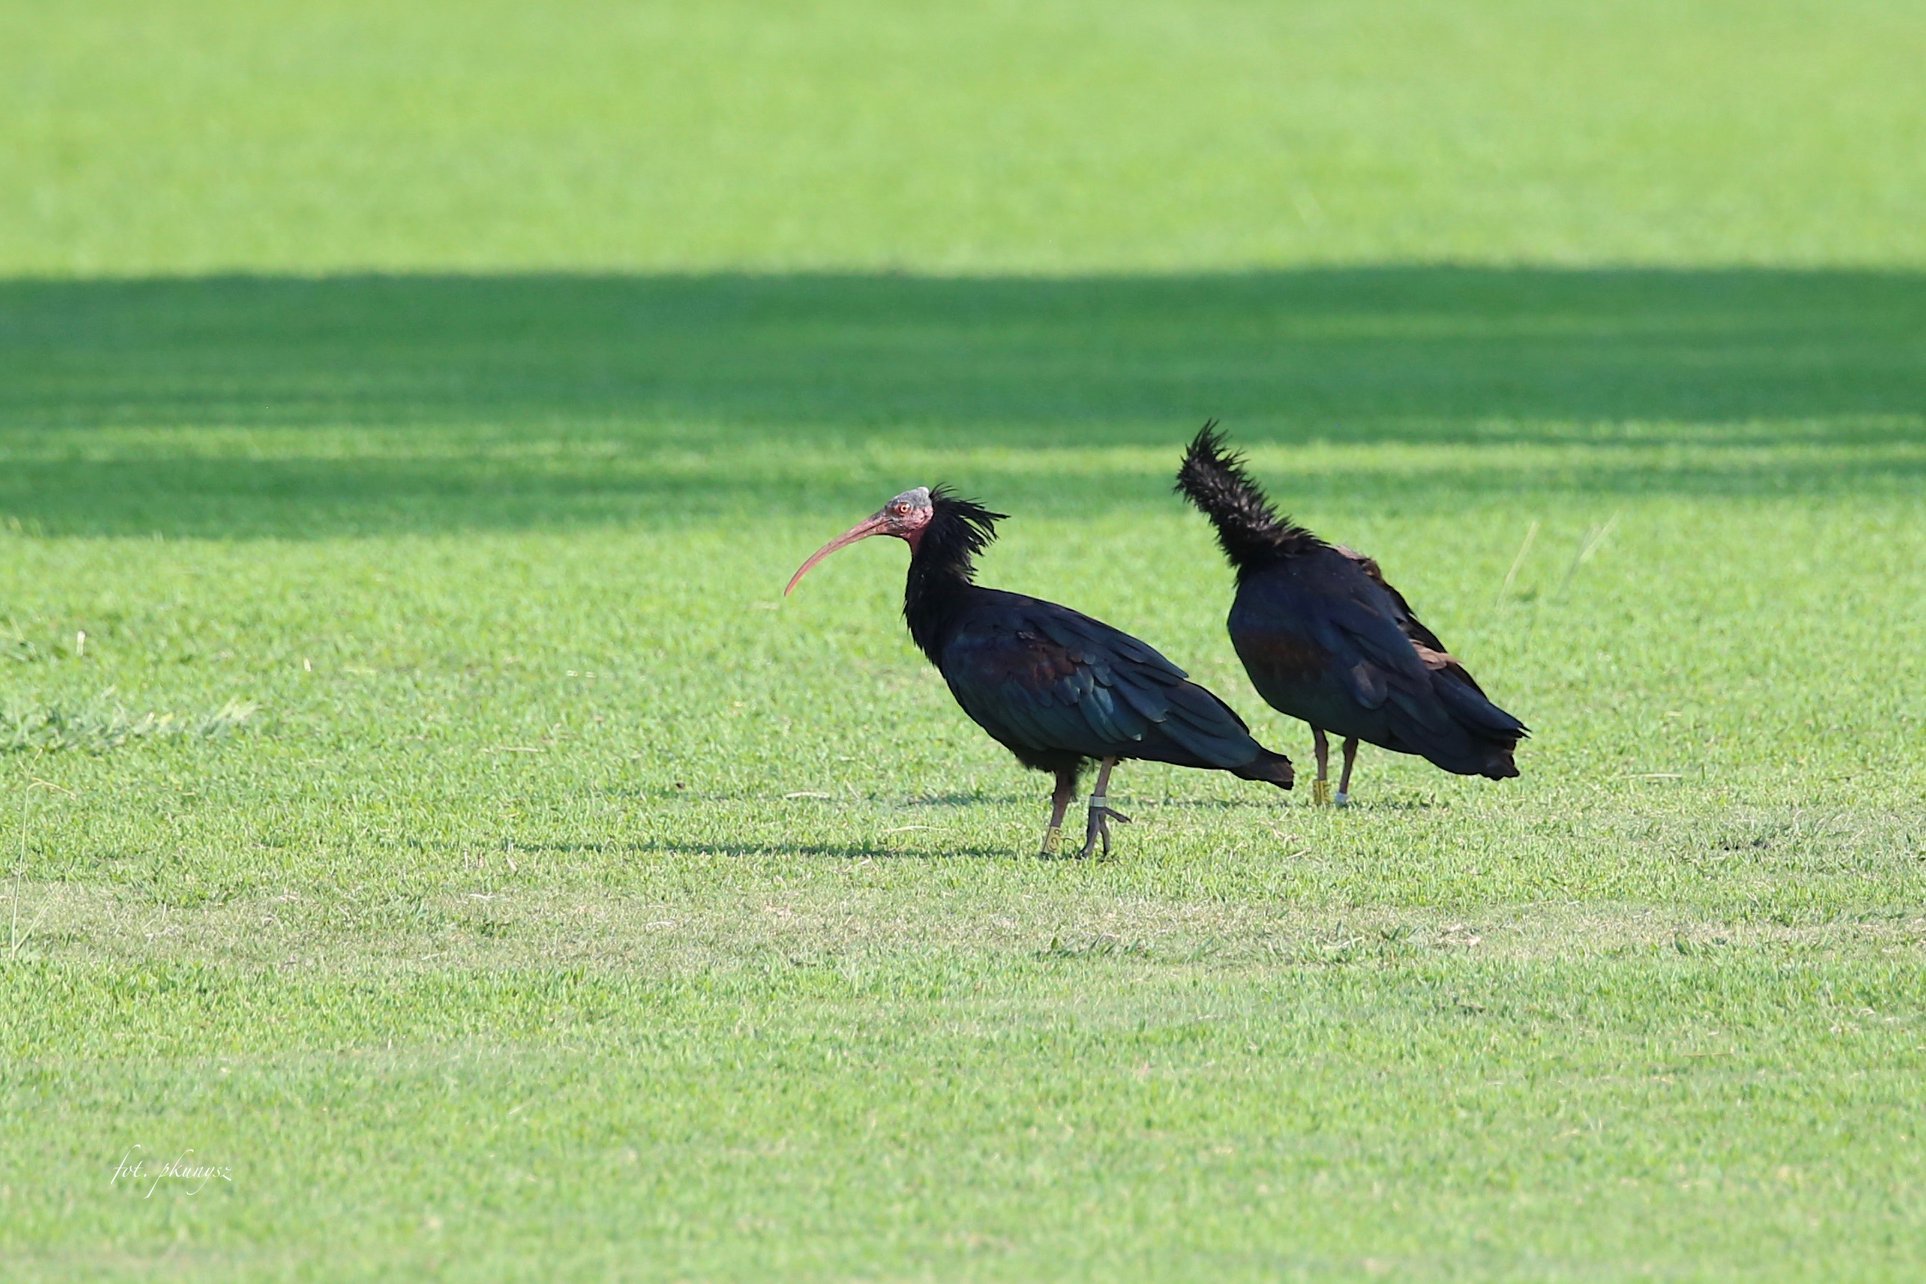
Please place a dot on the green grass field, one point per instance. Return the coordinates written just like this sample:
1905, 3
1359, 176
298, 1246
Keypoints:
417, 801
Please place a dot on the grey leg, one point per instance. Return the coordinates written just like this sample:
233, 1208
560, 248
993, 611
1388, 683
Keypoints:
1100, 812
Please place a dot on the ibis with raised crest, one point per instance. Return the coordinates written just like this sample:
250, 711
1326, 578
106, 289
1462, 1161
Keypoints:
1326, 638
1055, 687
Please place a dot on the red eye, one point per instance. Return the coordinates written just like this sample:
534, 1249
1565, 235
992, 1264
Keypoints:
899, 509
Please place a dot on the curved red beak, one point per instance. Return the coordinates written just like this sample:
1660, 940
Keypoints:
876, 525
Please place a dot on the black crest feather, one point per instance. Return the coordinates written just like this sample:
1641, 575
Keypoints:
945, 559
959, 529
1249, 529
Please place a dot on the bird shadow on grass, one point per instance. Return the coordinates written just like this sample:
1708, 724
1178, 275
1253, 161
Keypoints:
251, 406
1038, 800
708, 847
823, 799
1369, 805
841, 851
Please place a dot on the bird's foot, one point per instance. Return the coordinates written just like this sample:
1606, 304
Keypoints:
1052, 838
1320, 793
1099, 828
1341, 798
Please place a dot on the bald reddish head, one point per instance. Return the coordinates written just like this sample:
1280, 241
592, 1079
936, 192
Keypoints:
905, 517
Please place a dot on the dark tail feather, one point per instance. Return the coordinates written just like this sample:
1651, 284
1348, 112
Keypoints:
1496, 732
1271, 768
1213, 478
1500, 765
1498, 761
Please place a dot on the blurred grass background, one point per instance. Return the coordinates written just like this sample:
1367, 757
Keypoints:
1055, 136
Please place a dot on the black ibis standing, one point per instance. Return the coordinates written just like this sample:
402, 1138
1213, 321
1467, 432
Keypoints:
1326, 639
1053, 686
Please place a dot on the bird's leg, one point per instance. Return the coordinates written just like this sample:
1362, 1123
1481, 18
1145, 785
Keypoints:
1100, 813
1344, 782
1321, 787
1059, 803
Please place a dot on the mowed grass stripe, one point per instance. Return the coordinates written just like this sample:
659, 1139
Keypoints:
862, 925
1688, 1095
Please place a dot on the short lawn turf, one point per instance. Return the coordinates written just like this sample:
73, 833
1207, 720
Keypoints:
417, 802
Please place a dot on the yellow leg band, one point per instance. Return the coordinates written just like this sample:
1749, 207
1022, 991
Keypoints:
1051, 838
1321, 793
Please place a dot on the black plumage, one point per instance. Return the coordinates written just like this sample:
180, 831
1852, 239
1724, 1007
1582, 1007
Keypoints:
1327, 639
1055, 687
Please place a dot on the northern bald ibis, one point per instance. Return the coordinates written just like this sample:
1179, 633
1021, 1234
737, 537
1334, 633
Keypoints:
1053, 686
1326, 638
